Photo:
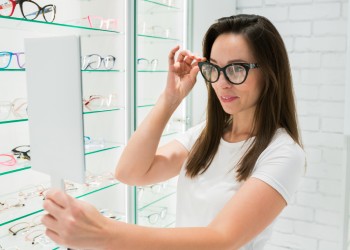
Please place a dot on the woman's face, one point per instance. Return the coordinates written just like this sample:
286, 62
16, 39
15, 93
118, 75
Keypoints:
233, 48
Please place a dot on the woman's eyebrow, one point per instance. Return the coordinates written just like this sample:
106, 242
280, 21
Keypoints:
231, 61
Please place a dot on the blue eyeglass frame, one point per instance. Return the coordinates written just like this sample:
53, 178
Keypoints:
11, 54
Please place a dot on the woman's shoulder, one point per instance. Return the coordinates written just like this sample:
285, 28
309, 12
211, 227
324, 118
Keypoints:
283, 144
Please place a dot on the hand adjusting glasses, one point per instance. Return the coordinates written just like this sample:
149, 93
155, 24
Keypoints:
235, 73
30, 10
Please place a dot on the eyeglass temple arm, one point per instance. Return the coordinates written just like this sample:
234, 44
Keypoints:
46, 10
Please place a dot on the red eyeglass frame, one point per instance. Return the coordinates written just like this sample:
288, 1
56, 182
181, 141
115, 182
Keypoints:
14, 3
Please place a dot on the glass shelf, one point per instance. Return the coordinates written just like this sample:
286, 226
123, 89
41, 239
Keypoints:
16, 23
145, 106
101, 70
85, 113
11, 70
152, 71
34, 205
162, 4
97, 149
15, 120
101, 111
4, 170
162, 223
159, 37
170, 133
84, 70
149, 198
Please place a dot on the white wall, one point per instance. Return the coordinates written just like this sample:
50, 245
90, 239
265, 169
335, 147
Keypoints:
314, 32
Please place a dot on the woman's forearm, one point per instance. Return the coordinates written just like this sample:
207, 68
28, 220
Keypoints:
140, 151
133, 237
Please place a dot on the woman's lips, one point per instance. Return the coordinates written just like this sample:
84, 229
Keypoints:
228, 98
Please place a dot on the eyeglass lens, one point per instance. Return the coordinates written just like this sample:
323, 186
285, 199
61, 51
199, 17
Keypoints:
235, 73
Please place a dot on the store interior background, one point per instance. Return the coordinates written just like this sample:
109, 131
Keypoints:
315, 34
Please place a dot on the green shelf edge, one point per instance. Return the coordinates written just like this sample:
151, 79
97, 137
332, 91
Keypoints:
155, 201
161, 4
89, 153
59, 24
159, 37
77, 197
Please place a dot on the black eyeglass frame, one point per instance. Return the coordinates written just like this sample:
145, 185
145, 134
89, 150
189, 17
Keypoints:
40, 10
21, 154
246, 66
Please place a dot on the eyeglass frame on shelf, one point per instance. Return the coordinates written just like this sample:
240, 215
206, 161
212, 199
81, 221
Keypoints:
21, 154
85, 66
30, 224
40, 9
103, 21
11, 54
153, 63
161, 215
106, 101
13, 108
11, 162
18, 203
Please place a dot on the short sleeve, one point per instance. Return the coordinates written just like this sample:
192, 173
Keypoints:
189, 137
281, 166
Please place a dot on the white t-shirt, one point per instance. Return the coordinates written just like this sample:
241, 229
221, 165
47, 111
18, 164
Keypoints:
200, 199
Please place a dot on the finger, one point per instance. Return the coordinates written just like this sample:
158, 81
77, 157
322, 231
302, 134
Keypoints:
52, 208
54, 236
189, 59
182, 55
59, 197
194, 71
49, 222
172, 55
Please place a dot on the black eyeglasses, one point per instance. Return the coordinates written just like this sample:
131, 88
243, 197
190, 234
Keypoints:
29, 9
235, 73
22, 152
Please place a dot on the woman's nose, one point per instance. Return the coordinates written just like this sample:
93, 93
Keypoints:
223, 82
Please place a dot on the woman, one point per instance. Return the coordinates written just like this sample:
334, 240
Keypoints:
237, 171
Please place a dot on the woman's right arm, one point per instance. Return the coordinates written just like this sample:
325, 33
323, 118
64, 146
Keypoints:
142, 162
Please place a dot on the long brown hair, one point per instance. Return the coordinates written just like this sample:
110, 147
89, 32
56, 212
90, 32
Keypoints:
275, 107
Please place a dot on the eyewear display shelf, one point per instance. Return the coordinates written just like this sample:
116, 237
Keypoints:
160, 26
153, 41
23, 188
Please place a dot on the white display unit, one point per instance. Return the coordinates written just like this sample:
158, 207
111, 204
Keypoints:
132, 89
23, 188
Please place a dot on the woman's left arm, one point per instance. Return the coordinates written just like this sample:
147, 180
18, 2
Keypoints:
77, 224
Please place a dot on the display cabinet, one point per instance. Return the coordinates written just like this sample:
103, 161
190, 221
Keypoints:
102, 35
161, 25
102, 26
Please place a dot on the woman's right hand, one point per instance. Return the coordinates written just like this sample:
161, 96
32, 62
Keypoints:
182, 74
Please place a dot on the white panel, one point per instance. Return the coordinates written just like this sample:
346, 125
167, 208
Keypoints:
347, 86
55, 107
205, 12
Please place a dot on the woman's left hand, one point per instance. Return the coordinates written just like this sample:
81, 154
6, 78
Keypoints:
74, 223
